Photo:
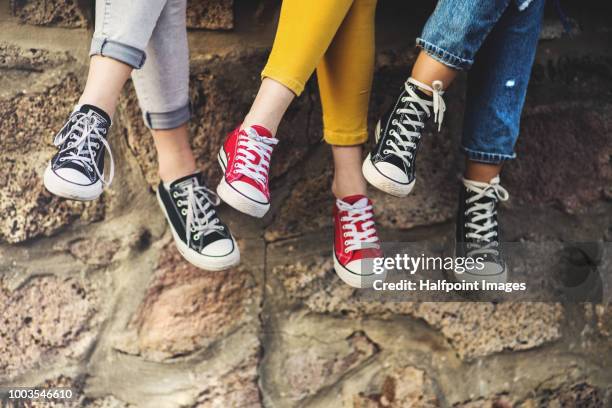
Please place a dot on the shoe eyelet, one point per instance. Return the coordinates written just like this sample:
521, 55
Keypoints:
388, 143
184, 211
394, 121
196, 237
346, 251
175, 194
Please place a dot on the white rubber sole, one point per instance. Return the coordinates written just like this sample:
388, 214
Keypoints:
356, 280
375, 178
236, 200
208, 263
62, 188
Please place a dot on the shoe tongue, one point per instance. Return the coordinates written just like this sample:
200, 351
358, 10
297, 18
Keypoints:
97, 112
192, 179
259, 130
420, 93
357, 200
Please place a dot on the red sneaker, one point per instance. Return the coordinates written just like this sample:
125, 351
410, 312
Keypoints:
245, 160
356, 242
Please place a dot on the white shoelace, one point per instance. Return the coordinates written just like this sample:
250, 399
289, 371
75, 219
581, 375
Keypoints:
405, 140
482, 224
200, 211
249, 148
83, 154
358, 212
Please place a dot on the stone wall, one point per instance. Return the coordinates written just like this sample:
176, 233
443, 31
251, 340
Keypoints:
94, 296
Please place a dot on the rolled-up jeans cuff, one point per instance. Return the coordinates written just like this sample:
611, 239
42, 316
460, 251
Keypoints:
487, 157
443, 56
118, 51
167, 120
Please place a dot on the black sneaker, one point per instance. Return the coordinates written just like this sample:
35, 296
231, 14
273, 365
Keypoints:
199, 234
478, 232
77, 169
390, 165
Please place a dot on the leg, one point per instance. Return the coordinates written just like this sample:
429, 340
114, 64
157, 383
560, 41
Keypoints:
162, 86
453, 34
345, 82
497, 86
305, 30
117, 48
427, 69
123, 29
304, 33
105, 81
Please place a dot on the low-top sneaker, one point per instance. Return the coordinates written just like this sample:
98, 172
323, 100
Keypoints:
199, 234
245, 160
478, 232
356, 242
76, 171
390, 166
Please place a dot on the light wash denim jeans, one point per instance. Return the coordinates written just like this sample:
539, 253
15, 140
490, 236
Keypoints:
151, 37
496, 41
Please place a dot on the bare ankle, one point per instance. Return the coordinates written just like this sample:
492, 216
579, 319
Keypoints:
345, 189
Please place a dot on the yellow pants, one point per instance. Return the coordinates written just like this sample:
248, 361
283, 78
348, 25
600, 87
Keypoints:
335, 37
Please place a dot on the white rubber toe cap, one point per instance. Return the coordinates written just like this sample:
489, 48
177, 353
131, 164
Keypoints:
393, 172
250, 191
73, 176
221, 247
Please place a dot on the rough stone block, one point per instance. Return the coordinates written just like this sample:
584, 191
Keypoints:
61, 13
186, 309
210, 14
46, 319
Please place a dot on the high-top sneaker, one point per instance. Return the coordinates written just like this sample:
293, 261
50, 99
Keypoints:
356, 242
390, 166
199, 234
478, 232
76, 171
245, 160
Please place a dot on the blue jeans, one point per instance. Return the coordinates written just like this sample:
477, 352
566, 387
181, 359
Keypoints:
496, 42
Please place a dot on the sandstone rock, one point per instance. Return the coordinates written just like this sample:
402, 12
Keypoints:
223, 88
581, 132
28, 125
473, 329
94, 251
186, 308
211, 14
13, 57
237, 387
307, 209
401, 387
61, 13
78, 399
604, 319
307, 364
582, 395
47, 318
576, 395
